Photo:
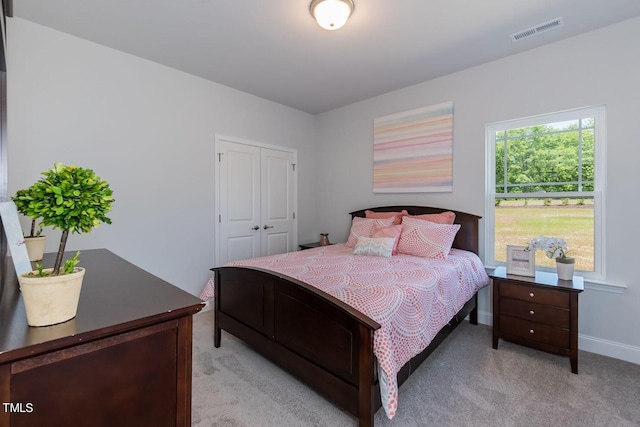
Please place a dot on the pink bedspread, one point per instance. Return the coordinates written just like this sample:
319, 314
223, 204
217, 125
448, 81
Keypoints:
411, 297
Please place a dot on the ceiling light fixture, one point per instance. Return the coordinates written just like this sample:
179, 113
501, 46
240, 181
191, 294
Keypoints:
331, 14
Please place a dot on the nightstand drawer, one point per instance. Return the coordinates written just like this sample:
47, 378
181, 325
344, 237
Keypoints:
534, 331
535, 294
553, 316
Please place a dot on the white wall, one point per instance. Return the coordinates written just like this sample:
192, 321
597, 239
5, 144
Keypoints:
601, 67
149, 131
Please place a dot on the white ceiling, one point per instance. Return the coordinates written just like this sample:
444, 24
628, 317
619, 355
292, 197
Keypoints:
275, 50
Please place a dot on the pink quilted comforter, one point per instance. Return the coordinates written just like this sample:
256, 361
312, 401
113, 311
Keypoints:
412, 298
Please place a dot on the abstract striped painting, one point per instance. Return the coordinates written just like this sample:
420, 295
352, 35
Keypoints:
413, 151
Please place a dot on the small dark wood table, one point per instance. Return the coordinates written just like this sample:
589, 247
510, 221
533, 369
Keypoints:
540, 312
124, 360
304, 246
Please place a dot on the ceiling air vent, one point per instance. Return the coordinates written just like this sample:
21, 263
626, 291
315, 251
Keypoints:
540, 28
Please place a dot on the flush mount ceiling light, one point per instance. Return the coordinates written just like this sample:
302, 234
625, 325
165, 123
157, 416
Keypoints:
331, 14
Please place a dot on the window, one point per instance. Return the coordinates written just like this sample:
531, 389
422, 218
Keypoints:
545, 176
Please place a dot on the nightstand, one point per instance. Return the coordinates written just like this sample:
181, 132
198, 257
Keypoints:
539, 312
309, 245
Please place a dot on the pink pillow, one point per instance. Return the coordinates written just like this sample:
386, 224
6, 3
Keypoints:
425, 238
440, 218
397, 216
393, 231
364, 227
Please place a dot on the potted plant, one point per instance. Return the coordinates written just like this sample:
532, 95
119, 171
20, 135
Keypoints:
35, 241
72, 199
557, 248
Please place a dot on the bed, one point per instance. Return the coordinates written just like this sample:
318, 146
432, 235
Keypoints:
318, 337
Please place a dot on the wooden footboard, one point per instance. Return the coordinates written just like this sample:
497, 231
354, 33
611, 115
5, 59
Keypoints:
314, 336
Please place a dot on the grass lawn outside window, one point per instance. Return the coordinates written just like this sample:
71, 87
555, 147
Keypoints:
519, 221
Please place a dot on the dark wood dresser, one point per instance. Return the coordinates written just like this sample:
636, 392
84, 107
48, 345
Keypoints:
540, 312
124, 360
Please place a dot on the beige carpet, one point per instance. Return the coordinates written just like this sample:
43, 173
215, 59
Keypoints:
463, 383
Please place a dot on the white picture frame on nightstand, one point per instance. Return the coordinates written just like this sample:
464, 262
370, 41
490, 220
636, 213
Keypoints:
521, 261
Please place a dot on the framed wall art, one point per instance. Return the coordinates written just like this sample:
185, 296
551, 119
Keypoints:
413, 151
520, 261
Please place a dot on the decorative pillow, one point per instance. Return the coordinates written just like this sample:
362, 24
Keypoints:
374, 246
425, 238
393, 231
440, 218
397, 216
364, 227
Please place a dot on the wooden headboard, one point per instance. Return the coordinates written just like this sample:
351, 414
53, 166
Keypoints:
467, 237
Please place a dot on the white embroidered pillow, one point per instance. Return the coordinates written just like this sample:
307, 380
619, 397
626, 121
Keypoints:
425, 238
364, 227
375, 246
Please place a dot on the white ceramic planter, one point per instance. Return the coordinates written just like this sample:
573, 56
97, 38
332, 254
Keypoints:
51, 300
35, 247
565, 267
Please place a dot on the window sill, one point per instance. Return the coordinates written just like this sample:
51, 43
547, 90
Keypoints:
589, 284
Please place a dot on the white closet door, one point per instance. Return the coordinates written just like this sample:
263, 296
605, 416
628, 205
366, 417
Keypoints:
256, 198
239, 191
277, 202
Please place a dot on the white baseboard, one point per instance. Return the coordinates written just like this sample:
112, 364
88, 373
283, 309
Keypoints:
600, 346
485, 317
609, 348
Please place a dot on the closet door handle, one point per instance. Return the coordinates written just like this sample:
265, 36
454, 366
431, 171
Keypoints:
267, 226
255, 227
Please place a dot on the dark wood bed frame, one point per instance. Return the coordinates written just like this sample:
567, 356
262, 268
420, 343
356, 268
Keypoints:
322, 341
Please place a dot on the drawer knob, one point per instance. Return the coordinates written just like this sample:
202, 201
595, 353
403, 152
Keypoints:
531, 294
531, 312
531, 331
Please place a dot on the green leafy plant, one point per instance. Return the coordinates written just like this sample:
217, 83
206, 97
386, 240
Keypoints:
68, 268
70, 264
69, 198
41, 272
21, 201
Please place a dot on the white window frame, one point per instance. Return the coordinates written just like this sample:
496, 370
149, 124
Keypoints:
598, 193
